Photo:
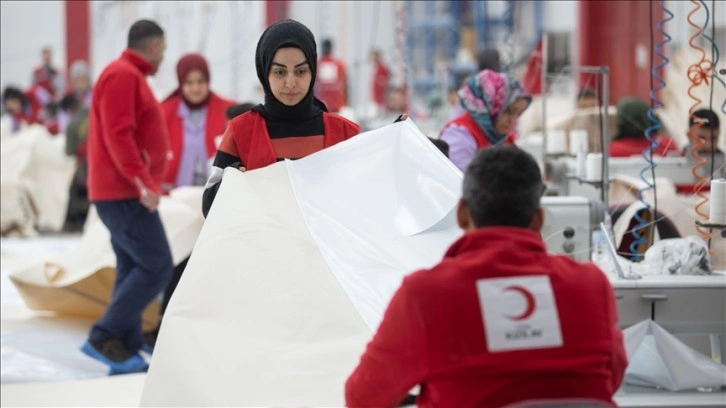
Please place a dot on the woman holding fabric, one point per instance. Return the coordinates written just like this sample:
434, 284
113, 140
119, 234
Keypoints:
194, 117
492, 102
292, 123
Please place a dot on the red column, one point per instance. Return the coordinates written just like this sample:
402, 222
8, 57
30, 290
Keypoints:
78, 31
276, 10
616, 34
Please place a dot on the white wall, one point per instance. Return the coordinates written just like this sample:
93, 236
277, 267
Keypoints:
559, 16
225, 32
25, 28
681, 30
355, 27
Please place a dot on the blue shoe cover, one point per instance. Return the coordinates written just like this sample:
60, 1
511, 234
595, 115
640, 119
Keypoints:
147, 348
135, 364
113, 371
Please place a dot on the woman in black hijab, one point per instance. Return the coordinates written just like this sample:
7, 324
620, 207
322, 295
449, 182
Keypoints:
291, 123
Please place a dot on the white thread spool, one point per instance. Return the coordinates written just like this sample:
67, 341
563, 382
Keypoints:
578, 141
593, 167
556, 142
717, 213
580, 165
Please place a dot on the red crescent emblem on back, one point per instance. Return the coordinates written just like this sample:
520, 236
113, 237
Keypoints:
528, 297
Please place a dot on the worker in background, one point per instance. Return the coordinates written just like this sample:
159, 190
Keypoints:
80, 91
81, 85
16, 108
492, 103
708, 133
632, 121
194, 116
498, 320
39, 98
127, 161
46, 75
76, 146
587, 98
381, 79
331, 84
397, 100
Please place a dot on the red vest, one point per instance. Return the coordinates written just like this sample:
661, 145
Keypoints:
331, 83
253, 143
468, 122
216, 123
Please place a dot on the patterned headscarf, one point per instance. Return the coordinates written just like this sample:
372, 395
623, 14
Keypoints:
487, 94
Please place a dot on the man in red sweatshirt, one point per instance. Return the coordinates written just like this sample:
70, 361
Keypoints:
127, 160
331, 85
499, 320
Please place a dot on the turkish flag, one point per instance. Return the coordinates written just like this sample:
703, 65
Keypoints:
532, 80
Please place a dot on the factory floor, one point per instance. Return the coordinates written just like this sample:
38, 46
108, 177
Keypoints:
42, 366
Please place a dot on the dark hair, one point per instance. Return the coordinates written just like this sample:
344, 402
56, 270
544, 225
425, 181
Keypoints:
488, 58
69, 103
327, 46
14, 93
236, 110
141, 32
441, 145
710, 118
502, 187
51, 109
586, 93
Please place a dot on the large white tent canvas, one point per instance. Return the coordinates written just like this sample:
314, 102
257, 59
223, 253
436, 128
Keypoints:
294, 267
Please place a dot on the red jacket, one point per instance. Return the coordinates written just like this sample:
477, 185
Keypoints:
626, 147
433, 332
381, 77
215, 126
331, 83
46, 78
127, 137
247, 137
38, 97
467, 121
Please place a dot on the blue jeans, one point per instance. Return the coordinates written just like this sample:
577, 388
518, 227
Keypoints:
143, 269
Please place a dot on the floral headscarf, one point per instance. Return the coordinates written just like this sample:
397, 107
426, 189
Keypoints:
487, 94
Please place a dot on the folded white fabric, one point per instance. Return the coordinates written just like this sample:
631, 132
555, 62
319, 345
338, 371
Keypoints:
37, 160
80, 281
658, 359
294, 267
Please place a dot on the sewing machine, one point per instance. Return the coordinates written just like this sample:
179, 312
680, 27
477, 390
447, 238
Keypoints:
562, 171
569, 223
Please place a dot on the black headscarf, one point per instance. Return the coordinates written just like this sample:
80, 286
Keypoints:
287, 33
632, 119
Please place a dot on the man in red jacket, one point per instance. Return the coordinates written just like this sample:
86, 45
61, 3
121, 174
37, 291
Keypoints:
381, 78
331, 84
46, 75
127, 160
499, 320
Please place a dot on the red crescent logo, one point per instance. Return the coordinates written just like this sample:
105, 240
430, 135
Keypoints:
531, 303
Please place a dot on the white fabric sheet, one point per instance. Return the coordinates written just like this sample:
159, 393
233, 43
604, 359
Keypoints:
36, 159
657, 359
294, 267
79, 281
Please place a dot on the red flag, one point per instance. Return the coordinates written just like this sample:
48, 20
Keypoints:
532, 80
